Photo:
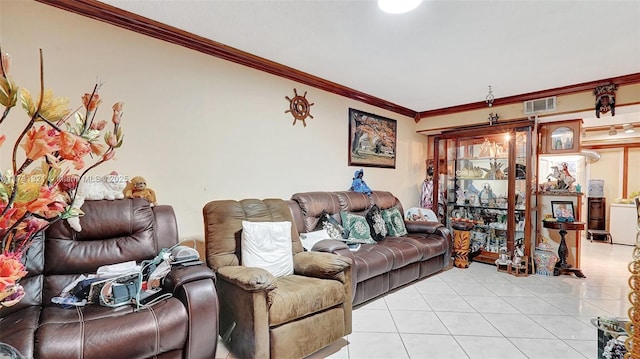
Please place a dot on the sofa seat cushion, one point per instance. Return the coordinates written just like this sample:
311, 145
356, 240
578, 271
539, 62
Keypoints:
404, 251
17, 329
372, 260
94, 331
429, 246
290, 300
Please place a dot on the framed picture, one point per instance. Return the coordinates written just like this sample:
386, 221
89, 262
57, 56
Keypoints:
372, 140
562, 209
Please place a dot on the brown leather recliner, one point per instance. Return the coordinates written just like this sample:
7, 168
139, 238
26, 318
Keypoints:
266, 317
183, 326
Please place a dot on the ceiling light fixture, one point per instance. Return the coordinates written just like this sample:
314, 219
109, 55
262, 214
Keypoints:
628, 128
398, 6
612, 131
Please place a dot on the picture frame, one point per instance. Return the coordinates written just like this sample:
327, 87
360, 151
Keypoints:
372, 140
562, 209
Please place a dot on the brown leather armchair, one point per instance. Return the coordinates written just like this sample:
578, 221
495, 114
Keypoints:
266, 317
183, 326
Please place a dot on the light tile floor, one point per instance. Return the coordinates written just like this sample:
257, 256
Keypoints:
481, 313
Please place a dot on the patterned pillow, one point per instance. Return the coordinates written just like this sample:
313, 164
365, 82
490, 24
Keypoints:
395, 222
331, 225
376, 223
358, 228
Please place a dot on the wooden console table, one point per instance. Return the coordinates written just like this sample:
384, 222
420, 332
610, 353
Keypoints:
562, 267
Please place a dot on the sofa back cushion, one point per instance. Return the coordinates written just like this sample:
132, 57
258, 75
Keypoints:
312, 206
223, 227
32, 282
112, 232
354, 202
386, 200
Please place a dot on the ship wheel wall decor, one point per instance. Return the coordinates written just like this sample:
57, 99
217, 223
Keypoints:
299, 107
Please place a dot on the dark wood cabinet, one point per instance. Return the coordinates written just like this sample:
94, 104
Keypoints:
596, 213
485, 174
560, 137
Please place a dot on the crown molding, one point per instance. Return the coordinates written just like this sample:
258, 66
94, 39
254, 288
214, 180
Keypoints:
145, 26
558, 91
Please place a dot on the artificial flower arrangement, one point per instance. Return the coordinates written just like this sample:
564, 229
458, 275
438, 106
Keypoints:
40, 186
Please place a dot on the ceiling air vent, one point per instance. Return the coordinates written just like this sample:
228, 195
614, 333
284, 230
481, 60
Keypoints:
547, 104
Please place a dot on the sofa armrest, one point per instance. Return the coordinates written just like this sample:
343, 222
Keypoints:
250, 279
321, 265
329, 245
195, 287
423, 227
179, 276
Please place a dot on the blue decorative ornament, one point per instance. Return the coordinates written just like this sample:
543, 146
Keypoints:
358, 184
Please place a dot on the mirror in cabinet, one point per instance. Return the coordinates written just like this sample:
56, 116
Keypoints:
486, 180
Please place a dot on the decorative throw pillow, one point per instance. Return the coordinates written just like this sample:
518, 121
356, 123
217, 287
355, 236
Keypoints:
395, 222
332, 226
358, 228
267, 245
376, 223
309, 239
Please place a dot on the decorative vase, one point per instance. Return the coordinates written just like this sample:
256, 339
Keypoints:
545, 259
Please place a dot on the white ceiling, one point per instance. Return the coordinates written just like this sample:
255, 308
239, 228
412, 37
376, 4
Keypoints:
444, 53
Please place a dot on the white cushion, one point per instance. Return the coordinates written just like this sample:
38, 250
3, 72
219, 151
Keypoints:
267, 245
309, 239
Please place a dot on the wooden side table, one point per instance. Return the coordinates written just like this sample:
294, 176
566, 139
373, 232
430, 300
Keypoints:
562, 267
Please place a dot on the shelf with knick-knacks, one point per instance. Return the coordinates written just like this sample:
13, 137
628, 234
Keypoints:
486, 182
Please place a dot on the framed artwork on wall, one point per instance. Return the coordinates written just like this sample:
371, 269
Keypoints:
372, 140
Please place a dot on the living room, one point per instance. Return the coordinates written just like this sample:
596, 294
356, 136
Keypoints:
200, 128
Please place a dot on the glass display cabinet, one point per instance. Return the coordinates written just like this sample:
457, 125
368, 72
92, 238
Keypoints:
560, 137
486, 175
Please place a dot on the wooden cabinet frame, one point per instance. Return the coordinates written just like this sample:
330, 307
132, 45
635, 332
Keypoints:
560, 137
447, 145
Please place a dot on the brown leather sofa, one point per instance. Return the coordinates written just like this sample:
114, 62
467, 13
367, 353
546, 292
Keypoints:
183, 326
262, 316
387, 264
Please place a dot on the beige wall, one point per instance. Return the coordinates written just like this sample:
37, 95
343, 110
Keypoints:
609, 169
198, 128
633, 178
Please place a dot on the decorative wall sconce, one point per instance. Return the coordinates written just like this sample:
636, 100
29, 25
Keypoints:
493, 119
299, 107
605, 99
